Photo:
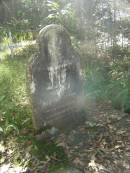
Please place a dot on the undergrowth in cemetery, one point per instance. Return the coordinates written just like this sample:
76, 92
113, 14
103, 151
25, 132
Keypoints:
100, 33
109, 80
104, 82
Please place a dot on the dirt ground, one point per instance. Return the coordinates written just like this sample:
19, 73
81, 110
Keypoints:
101, 145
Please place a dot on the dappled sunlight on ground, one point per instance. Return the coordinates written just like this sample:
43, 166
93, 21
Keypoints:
102, 144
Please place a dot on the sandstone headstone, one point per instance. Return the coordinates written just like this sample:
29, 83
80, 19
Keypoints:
54, 80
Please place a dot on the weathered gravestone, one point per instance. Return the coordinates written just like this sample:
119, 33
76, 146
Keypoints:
55, 82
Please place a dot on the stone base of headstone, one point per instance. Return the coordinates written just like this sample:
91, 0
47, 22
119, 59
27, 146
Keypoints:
64, 115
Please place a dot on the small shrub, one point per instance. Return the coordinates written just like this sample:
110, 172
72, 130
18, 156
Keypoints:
110, 84
96, 79
119, 84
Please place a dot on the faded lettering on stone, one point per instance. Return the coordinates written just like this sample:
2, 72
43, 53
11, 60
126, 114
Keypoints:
55, 82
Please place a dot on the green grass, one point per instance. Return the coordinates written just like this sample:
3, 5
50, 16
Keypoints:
14, 108
4, 54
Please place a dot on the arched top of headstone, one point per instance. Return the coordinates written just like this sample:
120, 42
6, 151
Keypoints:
55, 45
53, 29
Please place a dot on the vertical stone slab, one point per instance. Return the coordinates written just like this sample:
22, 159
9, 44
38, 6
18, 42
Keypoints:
54, 80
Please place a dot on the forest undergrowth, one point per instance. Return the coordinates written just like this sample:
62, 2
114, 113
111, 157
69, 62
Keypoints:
101, 144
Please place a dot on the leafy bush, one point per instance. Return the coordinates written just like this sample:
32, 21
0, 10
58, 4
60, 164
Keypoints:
116, 52
96, 79
111, 82
62, 13
119, 85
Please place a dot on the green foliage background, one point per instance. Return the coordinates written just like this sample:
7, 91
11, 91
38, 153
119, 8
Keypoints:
106, 69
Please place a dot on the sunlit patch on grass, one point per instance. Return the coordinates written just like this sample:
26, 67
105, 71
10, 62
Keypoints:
4, 54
